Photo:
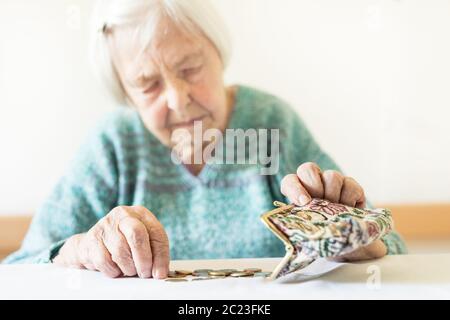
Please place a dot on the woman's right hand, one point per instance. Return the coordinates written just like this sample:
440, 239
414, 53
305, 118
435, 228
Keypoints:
128, 241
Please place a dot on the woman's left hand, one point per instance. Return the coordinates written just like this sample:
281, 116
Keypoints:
310, 182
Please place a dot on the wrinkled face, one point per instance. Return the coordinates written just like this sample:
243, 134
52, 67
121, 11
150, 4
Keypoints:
176, 81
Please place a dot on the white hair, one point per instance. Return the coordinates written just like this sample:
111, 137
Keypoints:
145, 15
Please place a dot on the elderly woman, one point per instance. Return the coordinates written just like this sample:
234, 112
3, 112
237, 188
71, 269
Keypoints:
124, 199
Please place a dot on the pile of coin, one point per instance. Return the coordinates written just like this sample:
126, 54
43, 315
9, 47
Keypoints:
210, 274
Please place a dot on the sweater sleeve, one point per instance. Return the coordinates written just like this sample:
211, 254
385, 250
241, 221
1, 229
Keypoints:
297, 146
80, 198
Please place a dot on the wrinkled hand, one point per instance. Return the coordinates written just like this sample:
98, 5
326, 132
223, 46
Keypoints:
128, 241
310, 182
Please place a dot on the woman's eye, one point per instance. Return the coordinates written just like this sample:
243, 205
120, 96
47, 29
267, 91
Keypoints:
152, 87
191, 71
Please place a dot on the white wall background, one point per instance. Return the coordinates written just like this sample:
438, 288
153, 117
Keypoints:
370, 78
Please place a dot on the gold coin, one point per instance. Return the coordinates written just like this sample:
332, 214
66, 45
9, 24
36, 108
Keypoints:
174, 274
227, 271
201, 278
241, 274
217, 277
203, 270
183, 272
200, 274
176, 280
218, 273
252, 270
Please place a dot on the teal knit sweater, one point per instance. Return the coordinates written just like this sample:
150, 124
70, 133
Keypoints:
212, 215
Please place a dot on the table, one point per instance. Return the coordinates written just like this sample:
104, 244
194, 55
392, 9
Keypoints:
392, 277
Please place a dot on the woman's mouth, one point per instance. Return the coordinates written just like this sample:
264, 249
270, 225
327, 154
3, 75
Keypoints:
188, 123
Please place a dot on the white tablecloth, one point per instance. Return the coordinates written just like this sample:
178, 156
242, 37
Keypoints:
408, 276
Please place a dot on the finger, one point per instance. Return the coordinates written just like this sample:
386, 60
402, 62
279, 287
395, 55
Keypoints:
101, 259
310, 177
352, 193
68, 254
119, 249
83, 251
159, 243
138, 240
292, 189
332, 183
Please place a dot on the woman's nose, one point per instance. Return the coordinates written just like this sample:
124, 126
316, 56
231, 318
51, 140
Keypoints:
178, 97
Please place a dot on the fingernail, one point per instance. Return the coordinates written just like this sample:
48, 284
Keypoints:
304, 199
160, 274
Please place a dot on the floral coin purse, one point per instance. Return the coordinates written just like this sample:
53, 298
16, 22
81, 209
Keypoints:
322, 229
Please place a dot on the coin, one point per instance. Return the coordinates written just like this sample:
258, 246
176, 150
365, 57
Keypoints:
210, 274
174, 274
201, 278
262, 274
253, 270
200, 274
183, 272
227, 271
203, 270
241, 274
217, 277
218, 273
176, 280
